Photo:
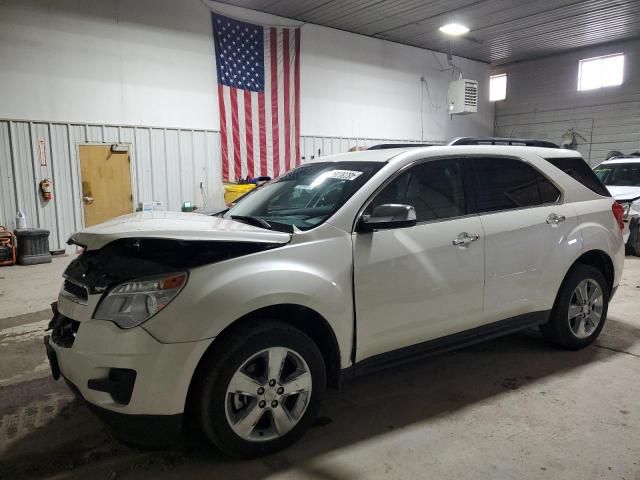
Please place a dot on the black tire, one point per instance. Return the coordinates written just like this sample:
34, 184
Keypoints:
228, 357
558, 329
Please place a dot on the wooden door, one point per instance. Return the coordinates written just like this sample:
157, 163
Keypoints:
106, 183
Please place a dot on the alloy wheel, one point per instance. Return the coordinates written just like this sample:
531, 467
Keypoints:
585, 308
268, 395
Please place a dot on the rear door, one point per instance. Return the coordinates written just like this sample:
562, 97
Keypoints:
525, 225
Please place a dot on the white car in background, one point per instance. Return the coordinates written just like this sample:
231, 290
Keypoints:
337, 268
621, 176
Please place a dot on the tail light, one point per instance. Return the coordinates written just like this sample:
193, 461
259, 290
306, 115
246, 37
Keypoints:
618, 213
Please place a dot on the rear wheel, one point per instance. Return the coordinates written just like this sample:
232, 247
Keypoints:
263, 390
580, 310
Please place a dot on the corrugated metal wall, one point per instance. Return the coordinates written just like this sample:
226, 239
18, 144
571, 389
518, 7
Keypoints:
169, 165
543, 102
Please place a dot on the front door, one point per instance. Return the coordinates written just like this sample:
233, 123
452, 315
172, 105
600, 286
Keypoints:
106, 183
414, 284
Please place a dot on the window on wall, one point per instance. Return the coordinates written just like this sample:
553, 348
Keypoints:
598, 72
498, 87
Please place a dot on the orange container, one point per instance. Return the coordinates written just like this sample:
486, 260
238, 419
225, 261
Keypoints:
7, 247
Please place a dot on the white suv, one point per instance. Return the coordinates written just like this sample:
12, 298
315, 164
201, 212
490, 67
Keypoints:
339, 267
621, 176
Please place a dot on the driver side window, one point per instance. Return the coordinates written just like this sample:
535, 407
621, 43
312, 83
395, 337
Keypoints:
434, 189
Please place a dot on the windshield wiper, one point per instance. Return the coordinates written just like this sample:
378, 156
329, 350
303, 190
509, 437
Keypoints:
261, 222
257, 221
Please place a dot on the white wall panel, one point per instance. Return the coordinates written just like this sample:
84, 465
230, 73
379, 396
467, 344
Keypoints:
185, 161
94, 133
23, 169
7, 181
159, 178
142, 165
66, 198
213, 170
172, 149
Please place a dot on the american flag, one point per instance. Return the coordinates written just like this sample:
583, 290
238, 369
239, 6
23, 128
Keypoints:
259, 97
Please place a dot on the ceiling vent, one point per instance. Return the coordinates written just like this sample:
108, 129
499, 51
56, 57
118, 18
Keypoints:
463, 96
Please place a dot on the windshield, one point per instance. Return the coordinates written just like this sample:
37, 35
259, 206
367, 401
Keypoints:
306, 196
619, 174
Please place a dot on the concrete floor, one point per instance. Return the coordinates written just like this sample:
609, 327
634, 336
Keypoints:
509, 408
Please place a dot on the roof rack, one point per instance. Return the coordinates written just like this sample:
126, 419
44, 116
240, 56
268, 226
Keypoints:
384, 146
526, 142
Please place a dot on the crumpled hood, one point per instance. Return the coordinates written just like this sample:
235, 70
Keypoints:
624, 193
177, 226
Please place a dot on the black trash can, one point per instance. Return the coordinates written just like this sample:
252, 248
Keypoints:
33, 246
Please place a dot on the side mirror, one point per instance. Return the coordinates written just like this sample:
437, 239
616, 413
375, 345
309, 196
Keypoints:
389, 215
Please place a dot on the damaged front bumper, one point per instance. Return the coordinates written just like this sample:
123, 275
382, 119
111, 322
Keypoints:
126, 376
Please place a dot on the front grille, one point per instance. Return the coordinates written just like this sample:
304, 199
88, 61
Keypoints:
76, 290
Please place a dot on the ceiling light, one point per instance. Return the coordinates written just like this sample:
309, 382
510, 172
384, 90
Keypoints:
454, 29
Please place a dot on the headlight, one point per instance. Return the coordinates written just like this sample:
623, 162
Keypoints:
131, 303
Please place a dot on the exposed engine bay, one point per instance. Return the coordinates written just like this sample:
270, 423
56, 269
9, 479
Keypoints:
130, 258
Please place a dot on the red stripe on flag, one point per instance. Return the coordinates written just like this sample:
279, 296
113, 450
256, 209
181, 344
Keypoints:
263, 135
287, 125
235, 132
296, 83
274, 102
223, 134
248, 132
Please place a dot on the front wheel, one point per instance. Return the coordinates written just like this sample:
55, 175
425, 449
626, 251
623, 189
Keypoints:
580, 310
263, 390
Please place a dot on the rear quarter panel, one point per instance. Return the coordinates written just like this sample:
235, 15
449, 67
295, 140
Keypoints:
600, 231
595, 228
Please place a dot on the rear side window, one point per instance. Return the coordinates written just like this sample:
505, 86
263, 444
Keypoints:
578, 169
506, 183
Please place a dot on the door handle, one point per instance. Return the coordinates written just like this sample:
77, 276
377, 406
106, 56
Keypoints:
554, 219
464, 238
87, 200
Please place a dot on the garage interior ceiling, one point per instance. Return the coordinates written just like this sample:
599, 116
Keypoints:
502, 31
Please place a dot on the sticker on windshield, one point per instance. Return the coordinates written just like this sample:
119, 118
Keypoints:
344, 174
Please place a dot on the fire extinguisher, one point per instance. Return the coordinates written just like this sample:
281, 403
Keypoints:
46, 189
